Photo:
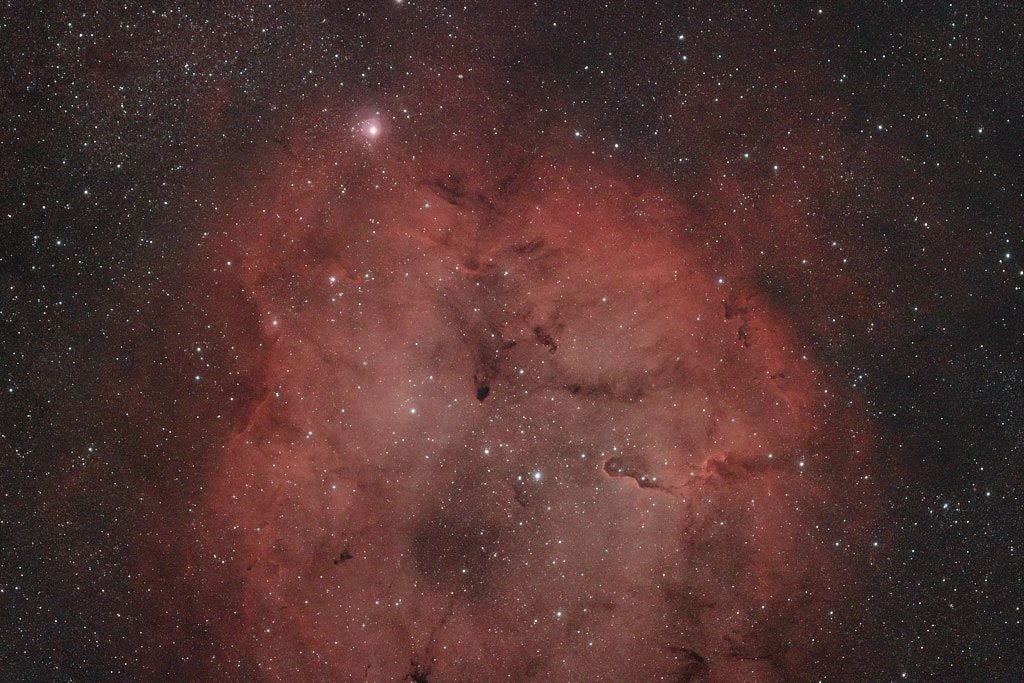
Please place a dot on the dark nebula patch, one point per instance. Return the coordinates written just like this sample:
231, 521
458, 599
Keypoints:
618, 466
545, 338
459, 555
419, 674
692, 667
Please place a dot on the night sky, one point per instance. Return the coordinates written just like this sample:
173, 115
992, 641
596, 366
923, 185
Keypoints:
528, 341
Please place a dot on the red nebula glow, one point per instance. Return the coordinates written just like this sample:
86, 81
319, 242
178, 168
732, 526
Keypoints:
513, 428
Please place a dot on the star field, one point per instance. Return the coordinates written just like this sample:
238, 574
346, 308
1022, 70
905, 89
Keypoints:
531, 341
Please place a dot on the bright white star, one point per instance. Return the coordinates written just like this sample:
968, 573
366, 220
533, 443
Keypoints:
370, 128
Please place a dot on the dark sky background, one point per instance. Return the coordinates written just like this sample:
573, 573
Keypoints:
831, 188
